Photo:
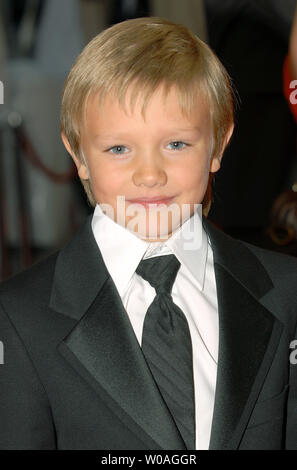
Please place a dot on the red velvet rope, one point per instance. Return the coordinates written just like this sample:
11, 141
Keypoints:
32, 156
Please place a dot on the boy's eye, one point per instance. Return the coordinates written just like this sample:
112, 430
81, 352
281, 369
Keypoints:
177, 145
117, 149
121, 149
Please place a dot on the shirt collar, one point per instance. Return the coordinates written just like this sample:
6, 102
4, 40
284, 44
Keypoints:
122, 250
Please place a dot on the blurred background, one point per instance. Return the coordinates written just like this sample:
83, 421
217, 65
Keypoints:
42, 202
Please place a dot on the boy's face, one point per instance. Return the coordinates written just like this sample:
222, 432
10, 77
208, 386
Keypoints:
163, 160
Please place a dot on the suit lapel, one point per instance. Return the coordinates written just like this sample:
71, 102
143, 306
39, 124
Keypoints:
248, 336
102, 346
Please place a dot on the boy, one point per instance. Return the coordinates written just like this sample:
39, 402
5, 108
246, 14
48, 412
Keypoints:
96, 356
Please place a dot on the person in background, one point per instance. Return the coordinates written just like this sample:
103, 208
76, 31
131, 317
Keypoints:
251, 39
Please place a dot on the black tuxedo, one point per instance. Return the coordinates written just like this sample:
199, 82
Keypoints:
74, 376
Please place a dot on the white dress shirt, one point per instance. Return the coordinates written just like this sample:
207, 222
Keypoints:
194, 291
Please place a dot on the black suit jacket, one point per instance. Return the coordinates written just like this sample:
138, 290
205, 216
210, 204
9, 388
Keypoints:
74, 376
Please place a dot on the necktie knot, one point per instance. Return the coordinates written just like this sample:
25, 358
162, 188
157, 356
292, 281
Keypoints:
160, 272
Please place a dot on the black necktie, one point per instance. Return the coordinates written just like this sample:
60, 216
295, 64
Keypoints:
166, 345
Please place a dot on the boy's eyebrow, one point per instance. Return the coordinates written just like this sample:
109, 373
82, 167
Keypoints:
123, 134
185, 129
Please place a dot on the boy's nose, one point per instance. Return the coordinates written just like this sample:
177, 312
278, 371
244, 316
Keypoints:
149, 175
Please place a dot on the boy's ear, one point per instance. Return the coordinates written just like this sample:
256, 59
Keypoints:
215, 163
81, 167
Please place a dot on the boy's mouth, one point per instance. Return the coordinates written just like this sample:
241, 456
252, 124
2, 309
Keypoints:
148, 201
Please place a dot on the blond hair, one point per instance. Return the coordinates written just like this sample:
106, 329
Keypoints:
145, 53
